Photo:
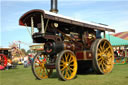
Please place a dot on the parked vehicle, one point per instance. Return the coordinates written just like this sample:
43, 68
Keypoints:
6, 59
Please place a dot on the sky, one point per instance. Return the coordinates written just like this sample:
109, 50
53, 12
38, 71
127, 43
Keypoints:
111, 12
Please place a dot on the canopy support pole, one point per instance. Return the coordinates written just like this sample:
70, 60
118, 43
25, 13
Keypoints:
28, 29
32, 26
104, 34
42, 24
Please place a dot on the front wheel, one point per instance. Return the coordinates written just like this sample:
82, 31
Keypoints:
38, 66
66, 65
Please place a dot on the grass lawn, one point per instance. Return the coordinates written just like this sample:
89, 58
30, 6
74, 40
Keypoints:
24, 76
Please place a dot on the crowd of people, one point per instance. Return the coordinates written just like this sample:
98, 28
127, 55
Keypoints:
26, 61
120, 53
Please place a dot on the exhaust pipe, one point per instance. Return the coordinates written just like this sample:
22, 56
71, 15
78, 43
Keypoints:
54, 6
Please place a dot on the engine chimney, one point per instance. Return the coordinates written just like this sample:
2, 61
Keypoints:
54, 6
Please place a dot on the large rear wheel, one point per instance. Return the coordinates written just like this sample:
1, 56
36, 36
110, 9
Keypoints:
66, 65
38, 66
103, 56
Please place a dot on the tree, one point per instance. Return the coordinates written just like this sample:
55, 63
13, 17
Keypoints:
24, 51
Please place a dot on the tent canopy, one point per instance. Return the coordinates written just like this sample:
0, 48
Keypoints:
123, 35
115, 41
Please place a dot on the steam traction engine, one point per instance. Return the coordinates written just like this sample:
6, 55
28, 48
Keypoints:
70, 46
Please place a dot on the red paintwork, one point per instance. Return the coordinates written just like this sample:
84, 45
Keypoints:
5, 59
84, 55
89, 55
80, 55
1, 67
21, 23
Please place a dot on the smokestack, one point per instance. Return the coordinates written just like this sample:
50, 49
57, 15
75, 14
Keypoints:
54, 6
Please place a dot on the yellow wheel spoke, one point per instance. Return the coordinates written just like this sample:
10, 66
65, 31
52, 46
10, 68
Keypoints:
67, 56
101, 49
104, 63
38, 71
104, 44
62, 68
70, 58
110, 56
107, 49
69, 70
62, 72
44, 73
99, 59
71, 65
102, 66
100, 62
44, 70
62, 61
99, 54
62, 65
66, 74
71, 61
108, 64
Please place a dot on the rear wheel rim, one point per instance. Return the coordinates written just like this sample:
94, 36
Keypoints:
105, 56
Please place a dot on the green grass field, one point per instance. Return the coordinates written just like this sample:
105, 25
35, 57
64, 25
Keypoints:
24, 76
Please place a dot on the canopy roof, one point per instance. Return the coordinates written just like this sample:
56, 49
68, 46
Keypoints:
26, 18
123, 35
5, 48
115, 41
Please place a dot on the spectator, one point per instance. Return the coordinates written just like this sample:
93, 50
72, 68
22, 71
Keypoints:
26, 61
8, 64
